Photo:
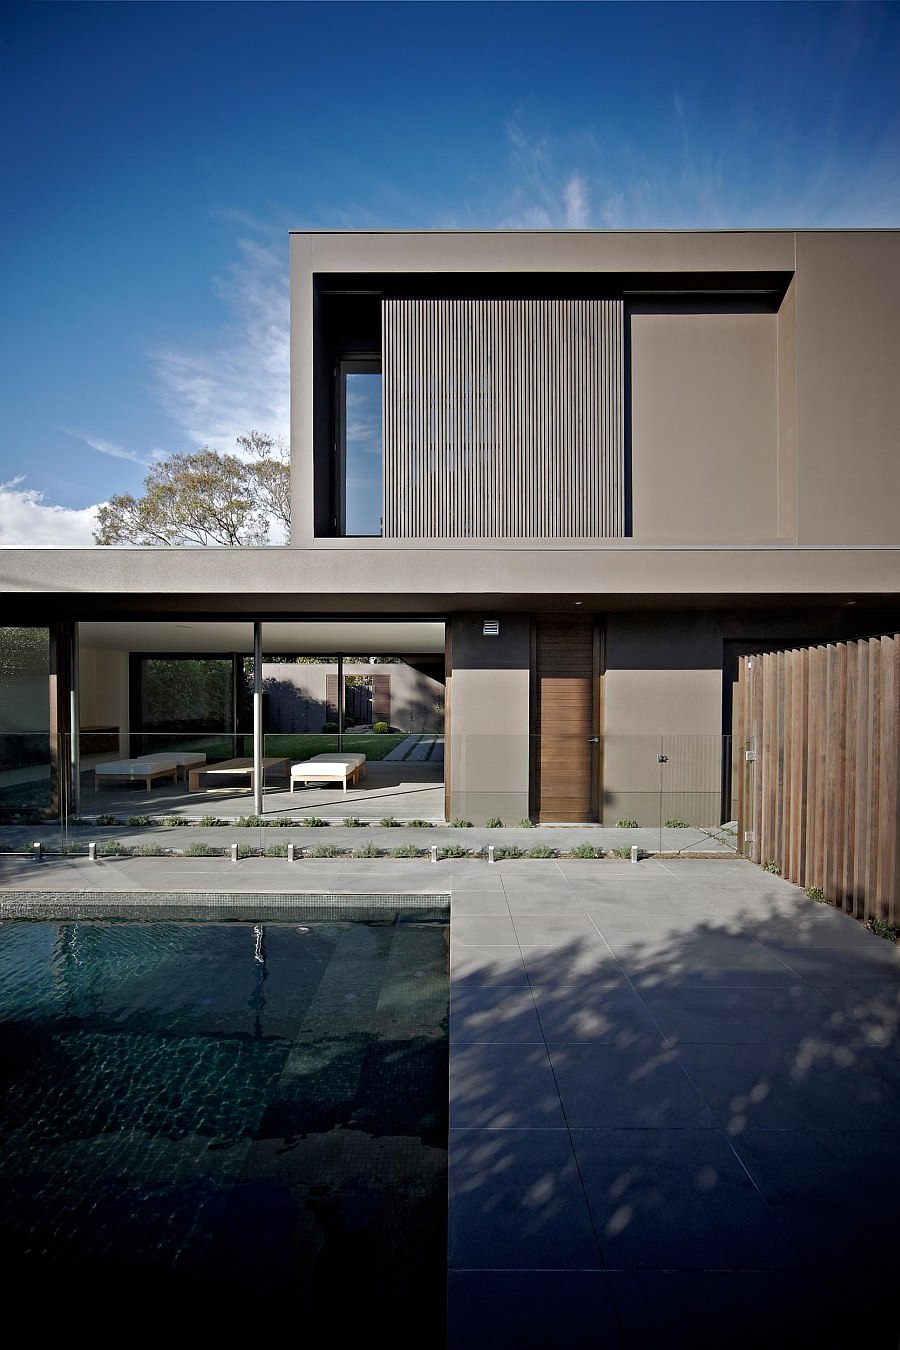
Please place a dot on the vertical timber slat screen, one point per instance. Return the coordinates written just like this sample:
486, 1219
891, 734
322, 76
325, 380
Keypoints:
819, 734
503, 418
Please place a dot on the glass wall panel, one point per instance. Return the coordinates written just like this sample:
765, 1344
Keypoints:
24, 717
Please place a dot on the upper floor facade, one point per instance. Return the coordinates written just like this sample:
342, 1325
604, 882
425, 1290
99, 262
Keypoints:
529, 420
493, 390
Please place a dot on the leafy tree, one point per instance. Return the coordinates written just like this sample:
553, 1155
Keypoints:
205, 498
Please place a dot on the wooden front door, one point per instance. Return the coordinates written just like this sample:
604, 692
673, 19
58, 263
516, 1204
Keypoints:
565, 718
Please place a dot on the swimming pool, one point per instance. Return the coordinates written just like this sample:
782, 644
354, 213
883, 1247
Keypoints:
214, 1113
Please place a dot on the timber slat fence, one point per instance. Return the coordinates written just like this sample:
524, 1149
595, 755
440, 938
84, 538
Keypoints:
818, 736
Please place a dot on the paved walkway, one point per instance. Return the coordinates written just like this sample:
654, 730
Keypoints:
674, 1097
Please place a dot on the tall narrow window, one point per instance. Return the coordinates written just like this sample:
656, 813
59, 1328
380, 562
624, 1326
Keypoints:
359, 496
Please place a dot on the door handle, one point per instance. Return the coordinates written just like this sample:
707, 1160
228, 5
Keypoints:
593, 740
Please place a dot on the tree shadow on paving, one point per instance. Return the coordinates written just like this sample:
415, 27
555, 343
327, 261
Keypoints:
704, 1105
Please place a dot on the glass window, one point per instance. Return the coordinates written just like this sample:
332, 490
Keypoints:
24, 717
360, 475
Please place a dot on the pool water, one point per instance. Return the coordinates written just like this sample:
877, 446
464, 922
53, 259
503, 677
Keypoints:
246, 1119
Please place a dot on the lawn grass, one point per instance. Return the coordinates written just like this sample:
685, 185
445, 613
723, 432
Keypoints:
299, 747
288, 745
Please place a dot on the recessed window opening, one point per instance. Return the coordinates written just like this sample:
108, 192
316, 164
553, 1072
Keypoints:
359, 504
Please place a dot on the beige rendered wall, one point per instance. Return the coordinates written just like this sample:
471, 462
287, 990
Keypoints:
103, 690
662, 694
487, 749
848, 391
704, 424
787, 416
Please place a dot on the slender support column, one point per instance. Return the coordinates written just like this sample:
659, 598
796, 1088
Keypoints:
75, 724
60, 725
257, 719
340, 700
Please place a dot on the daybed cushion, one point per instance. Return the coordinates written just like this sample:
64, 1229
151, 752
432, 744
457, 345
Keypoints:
324, 764
185, 759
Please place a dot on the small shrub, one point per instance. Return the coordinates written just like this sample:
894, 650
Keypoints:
174, 821
249, 822
623, 852
111, 848
323, 851
451, 851
541, 851
772, 867
147, 851
380, 728
815, 892
674, 824
889, 931
352, 822
139, 820
73, 850
419, 824
313, 822
460, 824
107, 820
197, 850
388, 823
329, 728
511, 851
586, 851
247, 851
526, 824
367, 851
404, 851
493, 823
281, 822
274, 851
627, 825
208, 822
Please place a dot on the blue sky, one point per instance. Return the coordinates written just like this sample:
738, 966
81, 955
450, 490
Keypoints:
155, 156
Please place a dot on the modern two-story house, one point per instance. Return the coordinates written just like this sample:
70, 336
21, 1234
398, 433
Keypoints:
602, 465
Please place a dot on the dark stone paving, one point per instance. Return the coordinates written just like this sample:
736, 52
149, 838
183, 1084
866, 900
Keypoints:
674, 1112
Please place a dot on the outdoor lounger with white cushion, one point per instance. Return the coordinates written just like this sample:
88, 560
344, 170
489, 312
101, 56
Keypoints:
329, 769
148, 768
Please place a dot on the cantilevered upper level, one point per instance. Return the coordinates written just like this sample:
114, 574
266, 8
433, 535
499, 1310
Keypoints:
497, 389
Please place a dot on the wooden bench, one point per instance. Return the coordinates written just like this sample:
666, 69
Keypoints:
150, 767
229, 767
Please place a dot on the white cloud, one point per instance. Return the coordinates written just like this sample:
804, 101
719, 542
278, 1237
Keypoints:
547, 194
689, 174
216, 389
27, 521
106, 447
575, 198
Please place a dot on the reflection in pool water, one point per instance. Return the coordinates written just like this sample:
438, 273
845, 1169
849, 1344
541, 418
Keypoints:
189, 1107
